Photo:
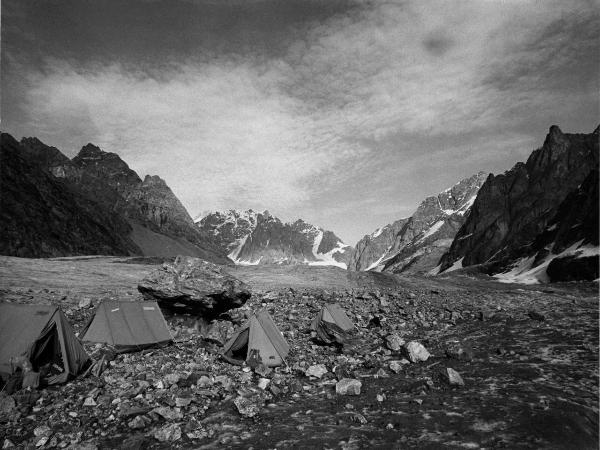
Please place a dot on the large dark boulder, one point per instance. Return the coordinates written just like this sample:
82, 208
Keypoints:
194, 286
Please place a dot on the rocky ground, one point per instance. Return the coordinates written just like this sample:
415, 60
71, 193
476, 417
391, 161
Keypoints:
524, 366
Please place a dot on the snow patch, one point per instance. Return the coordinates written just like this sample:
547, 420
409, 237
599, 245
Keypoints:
457, 265
432, 230
327, 259
523, 271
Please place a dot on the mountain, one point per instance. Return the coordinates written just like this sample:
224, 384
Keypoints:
535, 212
416, 243
144, 215
252, 238
43, 216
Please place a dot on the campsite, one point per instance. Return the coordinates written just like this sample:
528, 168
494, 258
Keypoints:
525, 359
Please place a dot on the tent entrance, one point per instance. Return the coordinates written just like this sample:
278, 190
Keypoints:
239, 349
46, 354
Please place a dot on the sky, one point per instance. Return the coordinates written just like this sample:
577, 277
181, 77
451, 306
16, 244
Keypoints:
346, 114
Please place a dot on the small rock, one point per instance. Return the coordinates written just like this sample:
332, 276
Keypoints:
394, 342
246, 407
396, 366
416, 352
42, 430
7, 444
89, 401
138, 422
171, 379
317, 371
263, 383
452, 377
42, 441
359, 418
168, 413
534, 315
348, 386
182, 402
204, 382
168, 433
85, 302
7, 404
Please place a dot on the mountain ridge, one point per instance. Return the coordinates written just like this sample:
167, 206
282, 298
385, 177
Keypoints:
413, 243
513, 210
252, 238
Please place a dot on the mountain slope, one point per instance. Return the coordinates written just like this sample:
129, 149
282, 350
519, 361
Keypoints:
150, 218
254, 238
515, 209
416, 243
43, 216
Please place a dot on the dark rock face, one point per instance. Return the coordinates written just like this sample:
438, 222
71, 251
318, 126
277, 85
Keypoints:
260, 238
416, 243
527, 204
196, 286
44, 216
148, 216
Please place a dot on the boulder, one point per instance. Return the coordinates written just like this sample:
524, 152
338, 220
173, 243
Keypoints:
192, 285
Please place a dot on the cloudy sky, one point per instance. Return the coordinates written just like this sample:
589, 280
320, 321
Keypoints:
344, 113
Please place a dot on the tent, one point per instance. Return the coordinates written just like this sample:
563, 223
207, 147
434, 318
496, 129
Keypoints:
332, 323
128, 326
258, 334
42, 335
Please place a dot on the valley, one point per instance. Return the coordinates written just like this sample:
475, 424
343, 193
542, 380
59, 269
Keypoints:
530, 366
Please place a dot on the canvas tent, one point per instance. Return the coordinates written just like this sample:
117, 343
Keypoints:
128, 326
332, 324
42, 334
259, 333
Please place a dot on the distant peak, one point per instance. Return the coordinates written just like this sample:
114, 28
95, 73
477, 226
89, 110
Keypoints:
154, 180
90, 150
555, 130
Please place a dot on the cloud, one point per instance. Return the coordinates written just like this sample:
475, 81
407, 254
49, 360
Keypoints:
354, 109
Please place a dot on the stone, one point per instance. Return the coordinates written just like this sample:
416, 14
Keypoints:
7, 404
42, 430
171, 379
138, 422
168, 413
452, 377
394, 342
263, 383
534, 315
457, 350
182, 402
7, 444
416, 352
195, 286
89, 401
246, 407
396, 366
168, 433
85, 302
348, 386
316, 371
204, 381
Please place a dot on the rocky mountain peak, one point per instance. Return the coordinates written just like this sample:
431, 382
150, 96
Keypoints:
154, 180
417, 242
90, 151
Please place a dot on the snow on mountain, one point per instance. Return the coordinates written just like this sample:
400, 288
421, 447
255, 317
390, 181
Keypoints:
252, 238
414, 243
